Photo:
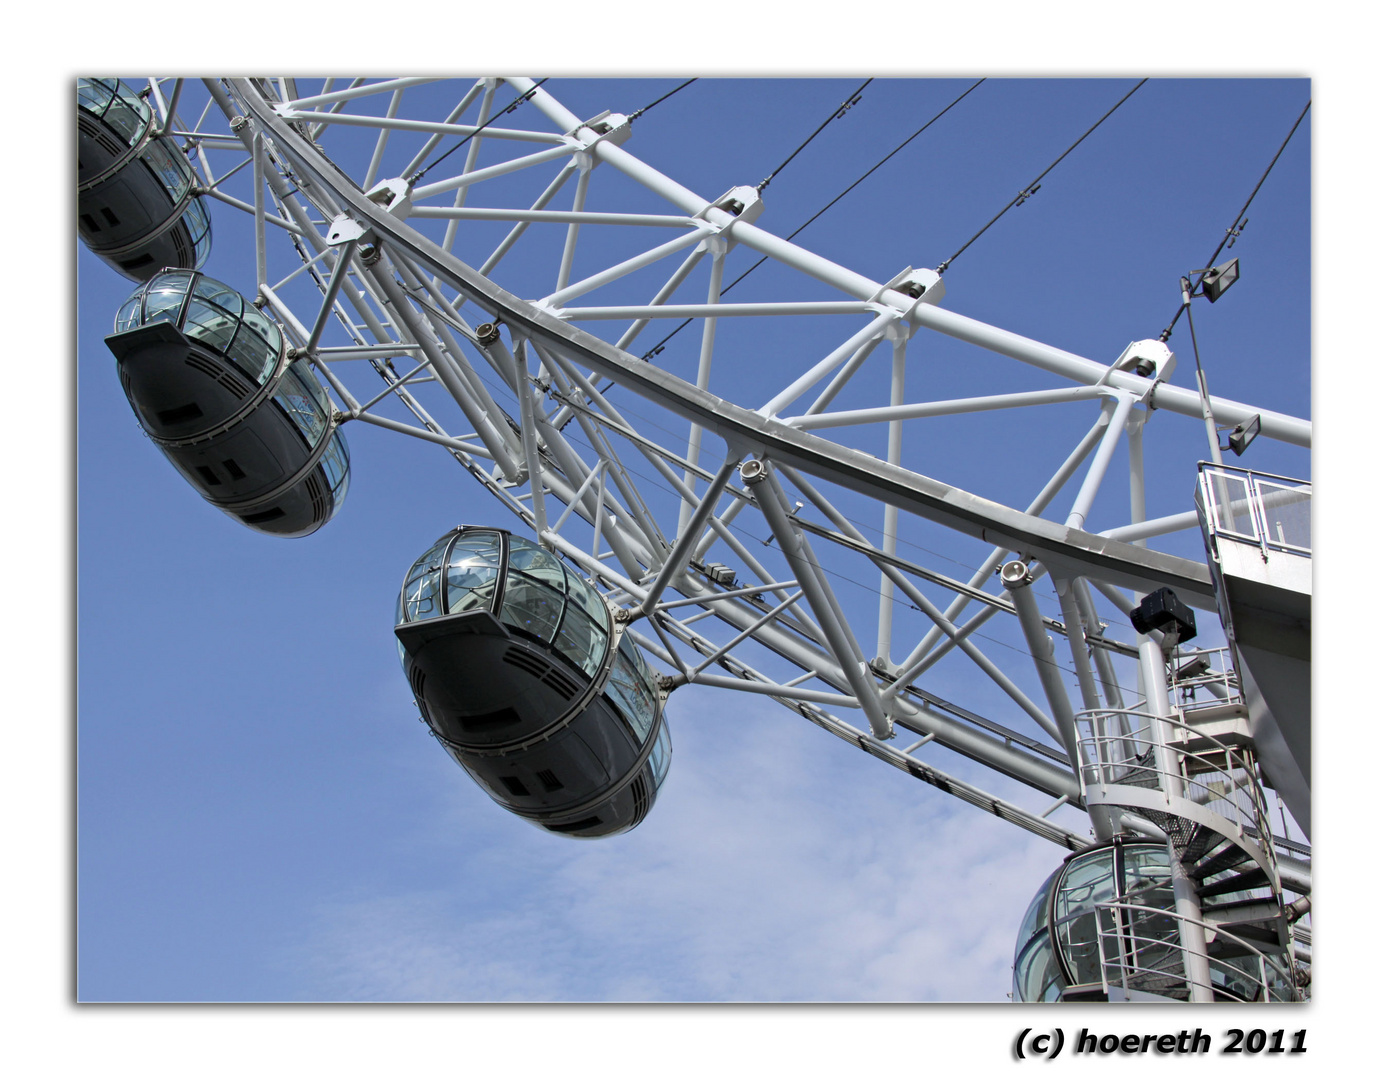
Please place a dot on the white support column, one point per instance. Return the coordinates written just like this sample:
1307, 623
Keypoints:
770, 498
1117, 413
1187, 902
842, 377
571, 235
526, 406
258, 156
664, 293
894, 457
570, 167
330, 295
829, 363
411, 327
719, 247
380, 149
678, 558
1017, 578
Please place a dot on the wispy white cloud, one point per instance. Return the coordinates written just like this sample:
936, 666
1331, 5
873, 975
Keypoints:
777, 865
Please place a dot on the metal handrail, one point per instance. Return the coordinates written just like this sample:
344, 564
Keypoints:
1257, 501
1219, 676
1134, 758
1126, 942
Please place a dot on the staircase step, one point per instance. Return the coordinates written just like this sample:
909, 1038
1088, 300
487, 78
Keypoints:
1223, 858
1243, 917
1249, 879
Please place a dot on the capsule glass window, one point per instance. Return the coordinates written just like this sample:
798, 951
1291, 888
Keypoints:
335, 466
422, 585
1088, 880
171, 167
214, 312
533, 600
303, 400
199, 226
474, 565
587, 596
164, 296
581, 640
118, 106
660, 755
632, 689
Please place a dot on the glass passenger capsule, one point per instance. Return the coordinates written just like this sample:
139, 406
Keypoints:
1067, 936
212, 384
137, 206
528, 682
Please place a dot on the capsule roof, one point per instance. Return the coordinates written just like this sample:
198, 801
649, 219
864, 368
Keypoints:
208, 311
540, 595
117, 106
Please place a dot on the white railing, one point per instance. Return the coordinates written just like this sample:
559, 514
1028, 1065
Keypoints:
1118, 748
1272, 512
1140, 949
1210, 670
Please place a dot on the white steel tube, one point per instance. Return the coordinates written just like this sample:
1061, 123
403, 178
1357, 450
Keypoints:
829, 363
899, 412
526, 402
842, 377
356, 92
391, 123
803, 564
435, 139
691, 261
1090, 486
558, 298
561, 217
894, 457
469, 164
701, 311
678, 557
571, 236
518, 230
491, 172
706, 362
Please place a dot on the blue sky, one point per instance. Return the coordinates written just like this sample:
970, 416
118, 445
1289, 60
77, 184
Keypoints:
263, 818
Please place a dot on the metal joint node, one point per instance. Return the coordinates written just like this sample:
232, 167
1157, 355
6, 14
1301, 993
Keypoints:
238, 122
753, 471
488, 333
1015, 574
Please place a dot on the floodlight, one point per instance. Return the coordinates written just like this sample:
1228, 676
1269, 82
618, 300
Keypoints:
1217, 279
1244, 434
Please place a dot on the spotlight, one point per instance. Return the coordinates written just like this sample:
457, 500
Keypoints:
1217, 279
1244, 434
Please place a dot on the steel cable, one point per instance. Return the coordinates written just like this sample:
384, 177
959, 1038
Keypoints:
1031, 189
660, 345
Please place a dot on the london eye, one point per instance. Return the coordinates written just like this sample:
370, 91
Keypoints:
681, 422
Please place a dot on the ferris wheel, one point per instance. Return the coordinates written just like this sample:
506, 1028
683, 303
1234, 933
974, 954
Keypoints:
772, 494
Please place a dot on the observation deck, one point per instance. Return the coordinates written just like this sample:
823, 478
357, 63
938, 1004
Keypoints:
1258, 533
